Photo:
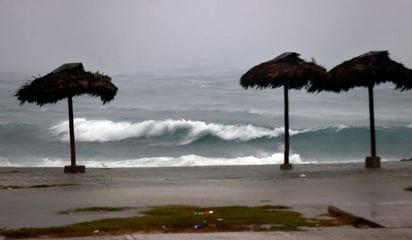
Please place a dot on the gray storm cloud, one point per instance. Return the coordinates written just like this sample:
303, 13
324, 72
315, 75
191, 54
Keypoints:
156, 35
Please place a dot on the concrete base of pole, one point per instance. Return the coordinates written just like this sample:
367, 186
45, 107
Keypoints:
75, 169
286, 167
373, 162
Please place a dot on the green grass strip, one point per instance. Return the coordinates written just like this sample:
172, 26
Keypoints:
172, 219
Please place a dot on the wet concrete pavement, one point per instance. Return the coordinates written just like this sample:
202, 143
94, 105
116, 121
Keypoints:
375, 194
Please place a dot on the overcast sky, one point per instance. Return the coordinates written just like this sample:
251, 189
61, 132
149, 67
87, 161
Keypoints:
144, 36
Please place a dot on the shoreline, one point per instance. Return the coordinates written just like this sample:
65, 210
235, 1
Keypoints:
103, 166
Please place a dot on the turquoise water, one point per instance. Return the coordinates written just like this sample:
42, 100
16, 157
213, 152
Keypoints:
187, 119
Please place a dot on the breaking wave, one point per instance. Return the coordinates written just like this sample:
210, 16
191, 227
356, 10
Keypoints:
187, 130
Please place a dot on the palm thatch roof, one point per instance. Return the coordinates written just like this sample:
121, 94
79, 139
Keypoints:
368, 70
286, 69
66, 81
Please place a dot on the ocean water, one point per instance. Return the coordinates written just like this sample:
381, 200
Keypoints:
198, 118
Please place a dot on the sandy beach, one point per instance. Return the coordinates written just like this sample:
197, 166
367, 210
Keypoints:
375, 194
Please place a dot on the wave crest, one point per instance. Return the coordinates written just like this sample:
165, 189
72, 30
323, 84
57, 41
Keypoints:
183, 131
106, 131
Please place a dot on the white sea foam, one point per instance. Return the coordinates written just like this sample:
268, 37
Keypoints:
50, 162
105, 130
4, 162
341, 127
182, 161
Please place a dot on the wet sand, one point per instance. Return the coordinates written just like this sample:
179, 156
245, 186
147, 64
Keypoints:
376, 194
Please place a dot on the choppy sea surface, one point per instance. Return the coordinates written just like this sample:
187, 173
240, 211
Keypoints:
198, 119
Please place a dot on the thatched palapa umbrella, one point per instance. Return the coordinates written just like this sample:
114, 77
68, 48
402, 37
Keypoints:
289, 71
67, 81
368, 70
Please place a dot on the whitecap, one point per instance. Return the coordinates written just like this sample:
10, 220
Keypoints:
4, 162
106, 130
196, 160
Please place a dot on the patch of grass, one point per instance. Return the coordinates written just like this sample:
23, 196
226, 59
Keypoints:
172, 219
10, 187
95, 209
